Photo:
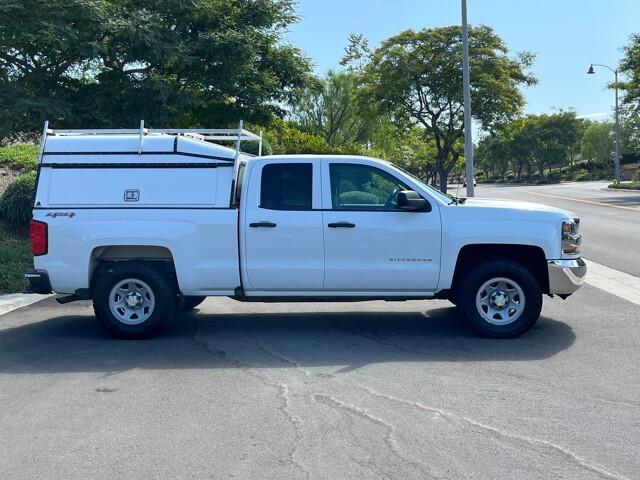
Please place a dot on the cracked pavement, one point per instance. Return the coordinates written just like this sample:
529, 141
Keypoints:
397, 390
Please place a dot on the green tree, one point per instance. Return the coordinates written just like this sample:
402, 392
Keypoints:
329, 108
554, 137
530, 142
285, 138
598, 144
493, 155
171, 62
630, 68
418, 77
630, 134
412, 150
511, 146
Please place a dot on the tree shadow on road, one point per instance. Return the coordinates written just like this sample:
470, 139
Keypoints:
348, 340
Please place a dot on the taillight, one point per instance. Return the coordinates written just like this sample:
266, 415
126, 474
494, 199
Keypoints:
39, 240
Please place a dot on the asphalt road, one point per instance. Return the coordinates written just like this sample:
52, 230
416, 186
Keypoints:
370, 390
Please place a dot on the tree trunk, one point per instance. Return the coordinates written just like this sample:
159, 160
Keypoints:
443, 176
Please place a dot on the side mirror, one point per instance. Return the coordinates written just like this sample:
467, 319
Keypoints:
412, 202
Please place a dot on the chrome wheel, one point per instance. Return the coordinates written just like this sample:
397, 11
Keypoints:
131, 301
500, 301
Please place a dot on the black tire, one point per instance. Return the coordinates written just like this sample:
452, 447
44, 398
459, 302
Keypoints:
188, 303
513, 272
452, 298
153, 276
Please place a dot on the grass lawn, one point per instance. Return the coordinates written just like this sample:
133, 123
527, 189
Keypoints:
15, 251
15, 257
627, 185
23, 157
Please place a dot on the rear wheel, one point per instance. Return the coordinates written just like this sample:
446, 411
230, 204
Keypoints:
188, 303
500, 299
133, 299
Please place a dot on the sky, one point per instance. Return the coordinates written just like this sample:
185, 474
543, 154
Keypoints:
566, 35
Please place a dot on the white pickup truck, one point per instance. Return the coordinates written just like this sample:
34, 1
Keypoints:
150, 222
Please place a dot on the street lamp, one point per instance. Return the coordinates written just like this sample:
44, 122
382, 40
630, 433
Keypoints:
591, 71
466, 88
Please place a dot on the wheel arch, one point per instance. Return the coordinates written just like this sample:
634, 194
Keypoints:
530, 256
102, 256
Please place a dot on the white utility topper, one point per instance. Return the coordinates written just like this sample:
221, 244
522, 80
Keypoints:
148, 222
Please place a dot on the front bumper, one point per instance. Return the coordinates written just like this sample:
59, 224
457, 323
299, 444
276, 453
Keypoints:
38, 281
566, 276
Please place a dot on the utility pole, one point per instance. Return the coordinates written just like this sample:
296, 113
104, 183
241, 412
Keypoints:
468, 141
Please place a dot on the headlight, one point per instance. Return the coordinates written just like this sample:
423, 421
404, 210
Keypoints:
571, 239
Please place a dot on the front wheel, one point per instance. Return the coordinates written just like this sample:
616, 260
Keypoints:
133, 299
500, 299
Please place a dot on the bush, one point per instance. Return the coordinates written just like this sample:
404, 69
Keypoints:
20, 156
358, 198
16, 203
15, 257
626, 185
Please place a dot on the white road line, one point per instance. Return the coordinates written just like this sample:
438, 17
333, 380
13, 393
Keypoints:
612, 281
13, 301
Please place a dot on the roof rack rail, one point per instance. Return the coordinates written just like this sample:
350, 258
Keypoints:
237, 135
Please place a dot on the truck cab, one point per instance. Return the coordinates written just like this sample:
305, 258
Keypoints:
334, 226
146, 223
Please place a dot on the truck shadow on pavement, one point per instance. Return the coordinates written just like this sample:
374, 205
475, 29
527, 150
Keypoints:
348, 340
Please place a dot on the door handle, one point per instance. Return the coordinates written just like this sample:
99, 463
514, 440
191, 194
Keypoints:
262, 225
342, 225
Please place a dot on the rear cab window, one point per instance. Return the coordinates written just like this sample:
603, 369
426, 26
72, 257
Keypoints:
286, 186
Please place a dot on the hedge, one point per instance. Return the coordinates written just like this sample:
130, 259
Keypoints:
16, 203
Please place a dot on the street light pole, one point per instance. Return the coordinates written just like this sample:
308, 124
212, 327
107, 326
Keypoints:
468, 141
616, 162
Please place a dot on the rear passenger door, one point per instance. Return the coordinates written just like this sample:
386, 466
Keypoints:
281, 227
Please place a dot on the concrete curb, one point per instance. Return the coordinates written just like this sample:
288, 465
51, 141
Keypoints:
13, 301
609, 189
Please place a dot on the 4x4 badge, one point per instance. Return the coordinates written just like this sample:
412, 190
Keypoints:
60, 214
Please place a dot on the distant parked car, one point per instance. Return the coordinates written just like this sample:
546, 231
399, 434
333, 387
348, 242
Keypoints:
475, 184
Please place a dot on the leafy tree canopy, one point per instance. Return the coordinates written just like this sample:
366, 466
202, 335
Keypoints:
417, 75
630, 67
532, 141
92, 63
329, 108
598, 143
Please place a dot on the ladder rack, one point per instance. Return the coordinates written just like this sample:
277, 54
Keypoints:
204, 134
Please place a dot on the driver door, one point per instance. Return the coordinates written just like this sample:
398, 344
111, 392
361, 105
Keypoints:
371, 246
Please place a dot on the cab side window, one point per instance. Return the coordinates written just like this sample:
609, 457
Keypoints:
286, 186
362, 187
